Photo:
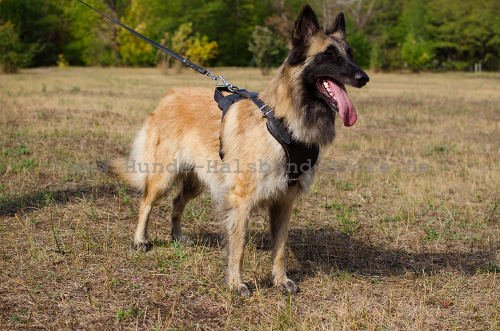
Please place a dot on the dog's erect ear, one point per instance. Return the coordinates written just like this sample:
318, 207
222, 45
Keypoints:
338, 28
306, 26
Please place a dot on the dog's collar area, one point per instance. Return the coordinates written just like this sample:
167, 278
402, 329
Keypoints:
300, 157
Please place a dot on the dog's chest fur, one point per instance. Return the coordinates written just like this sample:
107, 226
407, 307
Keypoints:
249, 147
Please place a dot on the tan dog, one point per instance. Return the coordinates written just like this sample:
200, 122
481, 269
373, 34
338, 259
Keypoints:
179, 142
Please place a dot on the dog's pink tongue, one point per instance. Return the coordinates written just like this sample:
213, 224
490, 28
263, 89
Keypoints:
346, 108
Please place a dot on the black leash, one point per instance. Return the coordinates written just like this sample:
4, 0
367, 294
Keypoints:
221, 82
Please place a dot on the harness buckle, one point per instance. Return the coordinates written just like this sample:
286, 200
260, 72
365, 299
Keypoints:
263, 108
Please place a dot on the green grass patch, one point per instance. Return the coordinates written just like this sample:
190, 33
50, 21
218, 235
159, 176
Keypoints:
122, 315
392, 219
18, 150
24, 165
440, 149
334, 205
492, 267
431, 234
343, 185
15, 318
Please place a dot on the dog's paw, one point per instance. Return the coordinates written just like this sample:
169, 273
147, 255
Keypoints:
243, 290
142, 246
289, 287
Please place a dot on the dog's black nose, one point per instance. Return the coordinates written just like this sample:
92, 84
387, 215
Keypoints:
361, 78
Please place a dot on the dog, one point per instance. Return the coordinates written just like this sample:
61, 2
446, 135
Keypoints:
179, 143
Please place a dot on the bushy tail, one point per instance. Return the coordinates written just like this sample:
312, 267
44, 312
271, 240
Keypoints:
125, 170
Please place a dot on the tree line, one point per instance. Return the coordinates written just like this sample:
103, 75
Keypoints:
384, 34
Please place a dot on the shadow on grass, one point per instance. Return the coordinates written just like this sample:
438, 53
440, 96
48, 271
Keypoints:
37, 200
330, 251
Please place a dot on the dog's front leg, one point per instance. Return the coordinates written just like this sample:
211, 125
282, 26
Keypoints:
236, 228
280, 213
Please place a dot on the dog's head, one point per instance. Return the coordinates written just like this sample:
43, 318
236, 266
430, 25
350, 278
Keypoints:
325, 65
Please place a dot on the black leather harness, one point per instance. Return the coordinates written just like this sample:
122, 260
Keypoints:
300, 157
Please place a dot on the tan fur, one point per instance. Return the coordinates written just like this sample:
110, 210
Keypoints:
317, 44
185, 130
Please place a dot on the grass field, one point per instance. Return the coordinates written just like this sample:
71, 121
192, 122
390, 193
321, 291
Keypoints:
399, 231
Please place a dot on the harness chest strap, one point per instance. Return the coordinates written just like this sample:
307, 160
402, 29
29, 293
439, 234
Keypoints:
300, 157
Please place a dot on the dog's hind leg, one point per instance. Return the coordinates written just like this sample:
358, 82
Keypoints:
190, 189
154, 188
280, 213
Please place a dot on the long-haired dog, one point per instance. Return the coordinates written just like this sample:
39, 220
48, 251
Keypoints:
179, 143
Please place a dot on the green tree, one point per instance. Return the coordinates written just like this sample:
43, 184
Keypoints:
13, 53
134, 51
267, 50
386, 35
200, 49
229, 23
38, 22
361, 47
465, 32
416, 50
416, 53
93, 39
193, 46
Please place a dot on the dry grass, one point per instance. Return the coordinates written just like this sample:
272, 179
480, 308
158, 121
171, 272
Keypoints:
400, 230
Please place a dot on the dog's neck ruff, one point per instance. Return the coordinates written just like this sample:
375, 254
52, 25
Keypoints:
300, 157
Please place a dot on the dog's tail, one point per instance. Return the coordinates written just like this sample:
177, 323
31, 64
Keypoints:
128, 169
125, 169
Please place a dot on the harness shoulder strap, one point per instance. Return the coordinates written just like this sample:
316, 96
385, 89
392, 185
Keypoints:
299, 156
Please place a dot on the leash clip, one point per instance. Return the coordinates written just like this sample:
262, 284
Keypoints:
222, 82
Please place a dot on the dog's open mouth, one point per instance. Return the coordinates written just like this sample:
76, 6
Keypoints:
336, 94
